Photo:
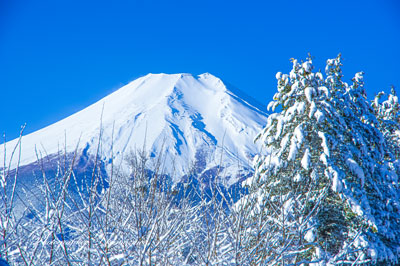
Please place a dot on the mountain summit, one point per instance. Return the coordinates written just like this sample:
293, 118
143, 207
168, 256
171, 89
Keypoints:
194, 120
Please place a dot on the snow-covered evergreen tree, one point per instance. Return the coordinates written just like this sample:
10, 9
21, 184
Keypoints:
327, 191
388, 115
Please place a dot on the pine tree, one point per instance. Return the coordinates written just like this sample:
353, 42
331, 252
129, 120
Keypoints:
326, 189
388, 115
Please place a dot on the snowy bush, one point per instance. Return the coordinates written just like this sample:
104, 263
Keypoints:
136, 218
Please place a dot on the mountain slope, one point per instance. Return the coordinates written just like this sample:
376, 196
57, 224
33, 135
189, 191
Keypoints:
194, 120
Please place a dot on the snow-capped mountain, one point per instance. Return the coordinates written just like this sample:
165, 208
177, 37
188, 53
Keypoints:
194, 120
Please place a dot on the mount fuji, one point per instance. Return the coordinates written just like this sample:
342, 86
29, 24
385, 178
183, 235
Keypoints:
193, 120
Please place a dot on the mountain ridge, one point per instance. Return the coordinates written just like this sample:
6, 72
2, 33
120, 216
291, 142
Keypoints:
183, 114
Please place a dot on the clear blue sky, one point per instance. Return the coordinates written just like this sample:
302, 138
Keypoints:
59, 56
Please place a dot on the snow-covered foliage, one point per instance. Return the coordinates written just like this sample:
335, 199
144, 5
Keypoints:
388, 115
388, 109
327, 191
137, 218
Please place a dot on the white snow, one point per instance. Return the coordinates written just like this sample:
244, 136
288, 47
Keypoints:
324, 143
313, 108
356, 170
117, 257
305, 162
325, 91
298, 178
285, 78
359, 77
279, 128
179, 113
301, 107
310, 236
319, 116
336, 181
309, 93
307, 66
296, 141
324, 159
